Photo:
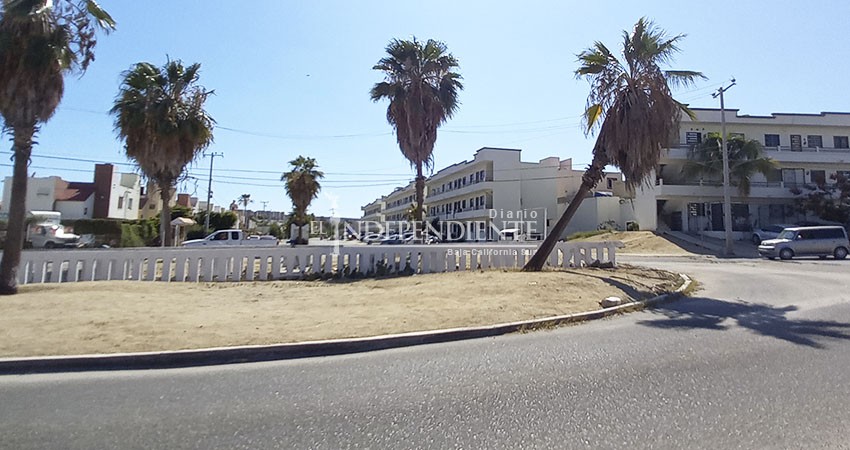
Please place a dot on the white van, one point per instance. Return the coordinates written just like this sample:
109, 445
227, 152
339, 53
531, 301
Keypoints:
807, 241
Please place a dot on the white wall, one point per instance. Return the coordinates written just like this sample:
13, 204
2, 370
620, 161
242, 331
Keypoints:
128, 187
72, 210
41, 193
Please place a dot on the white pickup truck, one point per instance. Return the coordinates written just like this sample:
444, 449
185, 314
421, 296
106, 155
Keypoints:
229, 238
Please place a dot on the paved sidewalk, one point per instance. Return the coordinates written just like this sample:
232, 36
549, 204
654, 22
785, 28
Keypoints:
742, 249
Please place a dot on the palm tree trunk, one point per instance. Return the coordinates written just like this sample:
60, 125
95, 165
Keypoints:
165, 236
15, 231
418, 214
299, 222
589, 180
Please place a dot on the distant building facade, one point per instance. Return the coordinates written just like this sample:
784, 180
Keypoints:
809, 149
496, 191
112, 195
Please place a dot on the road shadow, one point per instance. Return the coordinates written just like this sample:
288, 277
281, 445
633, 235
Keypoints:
762, 319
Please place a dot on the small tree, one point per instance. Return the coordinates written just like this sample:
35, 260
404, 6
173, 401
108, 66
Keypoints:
746, 158
245, 199
830, 202
302, 186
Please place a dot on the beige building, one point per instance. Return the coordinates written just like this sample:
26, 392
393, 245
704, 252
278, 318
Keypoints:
496, 191
810, 149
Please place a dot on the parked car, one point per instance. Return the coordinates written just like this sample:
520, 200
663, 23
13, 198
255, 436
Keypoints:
807, 241
228, 238
371, 238
428, 239
768, 232
393, 239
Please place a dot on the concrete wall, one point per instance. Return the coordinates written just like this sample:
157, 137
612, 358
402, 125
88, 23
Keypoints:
274, 263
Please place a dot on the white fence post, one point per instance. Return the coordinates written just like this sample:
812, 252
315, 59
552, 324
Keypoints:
228, 264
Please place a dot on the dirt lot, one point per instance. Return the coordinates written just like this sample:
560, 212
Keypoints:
640, 242
109, 317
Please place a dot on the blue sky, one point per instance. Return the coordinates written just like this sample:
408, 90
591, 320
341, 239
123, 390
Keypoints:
293, 78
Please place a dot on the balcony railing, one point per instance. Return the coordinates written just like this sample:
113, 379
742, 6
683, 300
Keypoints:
780, 148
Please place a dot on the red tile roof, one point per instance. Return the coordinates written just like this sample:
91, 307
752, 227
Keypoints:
73, 191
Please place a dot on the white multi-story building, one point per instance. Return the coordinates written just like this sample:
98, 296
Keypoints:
398, 204
497, 191
809, 149
374, 211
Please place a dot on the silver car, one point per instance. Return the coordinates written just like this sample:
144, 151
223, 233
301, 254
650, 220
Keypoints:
768, 232
807, 241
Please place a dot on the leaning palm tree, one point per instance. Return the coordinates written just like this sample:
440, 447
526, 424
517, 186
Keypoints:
746, 158
245, 199
159, 114
302, 186
422, 87
40, 42
631, 105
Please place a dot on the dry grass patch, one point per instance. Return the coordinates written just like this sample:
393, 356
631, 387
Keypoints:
639, 242
110, 317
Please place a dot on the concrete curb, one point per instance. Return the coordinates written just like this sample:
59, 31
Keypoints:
259, 353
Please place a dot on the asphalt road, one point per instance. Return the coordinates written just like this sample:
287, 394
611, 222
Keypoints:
760, 358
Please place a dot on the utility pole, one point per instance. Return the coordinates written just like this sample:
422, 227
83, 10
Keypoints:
209, 189
727, 198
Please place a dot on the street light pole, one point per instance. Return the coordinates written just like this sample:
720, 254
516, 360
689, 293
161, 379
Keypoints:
209, 190
727, 197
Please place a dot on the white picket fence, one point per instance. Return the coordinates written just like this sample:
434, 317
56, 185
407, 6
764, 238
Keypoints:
277, 263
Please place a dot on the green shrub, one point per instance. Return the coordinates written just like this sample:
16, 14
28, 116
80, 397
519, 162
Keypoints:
97, 226
218, 221
196, 231
130, 236
632, 226
276, 231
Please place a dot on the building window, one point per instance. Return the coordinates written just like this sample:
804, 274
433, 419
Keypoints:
610, 183
814, 140
693, 137
792, 177
841, 142
130, 203
819, 177
771, 140
121, 202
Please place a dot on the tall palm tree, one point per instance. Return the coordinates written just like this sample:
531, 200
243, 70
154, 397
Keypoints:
631, 105
40, 42
422, 86
746, 158
302, 186
159, 114
244, 199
